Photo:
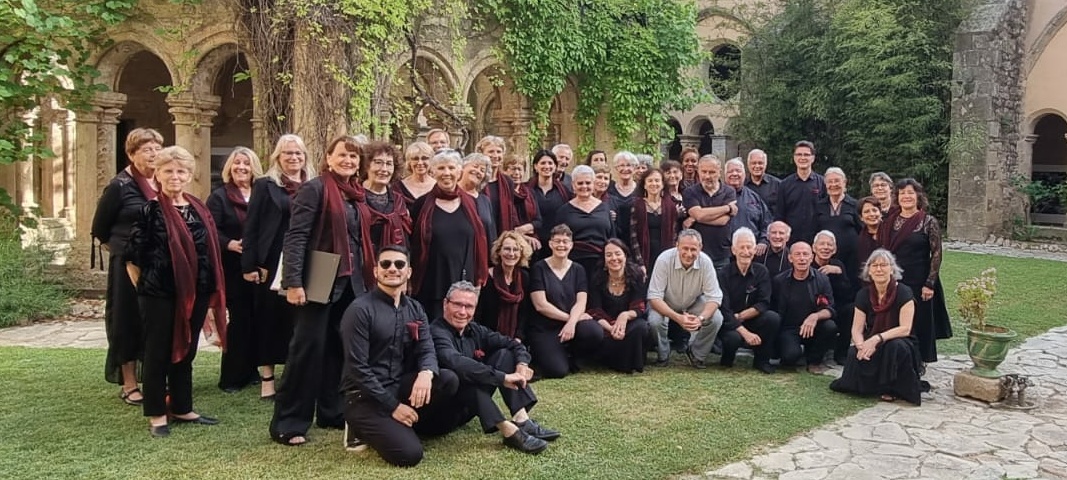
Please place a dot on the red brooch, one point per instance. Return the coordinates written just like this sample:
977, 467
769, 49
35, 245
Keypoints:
479, 354
822, 301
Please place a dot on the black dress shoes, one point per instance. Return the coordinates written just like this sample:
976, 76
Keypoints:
535, 429
764, 367
525, 442
160, 431
199, 420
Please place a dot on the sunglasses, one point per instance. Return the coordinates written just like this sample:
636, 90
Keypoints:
387, 264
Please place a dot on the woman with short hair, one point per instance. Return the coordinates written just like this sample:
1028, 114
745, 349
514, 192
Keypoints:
386, 217
173, 258
881, 185
228, 205
589, 219
473, 180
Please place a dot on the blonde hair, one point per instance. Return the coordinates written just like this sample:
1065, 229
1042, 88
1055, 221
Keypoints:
525, 251
275, 170
176, 154
257, 167
138, 137
412, 151
490, 140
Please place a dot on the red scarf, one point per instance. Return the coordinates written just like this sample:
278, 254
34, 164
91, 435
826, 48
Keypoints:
883, 316
509, 217
331, 234
669, 219
144, 184
891, 240
528, 212
510, 298
292, 186
183, 259
240, 205
424, 234
396, 227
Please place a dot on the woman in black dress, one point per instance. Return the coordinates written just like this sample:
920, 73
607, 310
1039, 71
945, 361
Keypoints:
623, 191
672, 179
589, 218
265, 227
473, 180
550, 194
418, 180
871, 216
838, 212
654, 220
119, 207
504, 304
385, 216
617, 303
173, 257
882, 189
325, 217
884, 360
527, 212
560, 329
826, 260
228, 205
914, 236
449, 240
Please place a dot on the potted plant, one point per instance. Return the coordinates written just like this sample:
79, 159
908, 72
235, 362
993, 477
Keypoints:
986, 344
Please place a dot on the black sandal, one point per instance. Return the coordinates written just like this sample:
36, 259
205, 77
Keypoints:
125, 396
268, 398
287, 439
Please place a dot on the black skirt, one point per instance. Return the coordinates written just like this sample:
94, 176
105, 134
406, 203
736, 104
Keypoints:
894, 370
122, 321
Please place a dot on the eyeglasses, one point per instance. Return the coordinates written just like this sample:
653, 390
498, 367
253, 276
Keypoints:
878, 265
420, 158
382, 163
464, 306
293, 153
803, 155
387, 264
510, 249
155, 149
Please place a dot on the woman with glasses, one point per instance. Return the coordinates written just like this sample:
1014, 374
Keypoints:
884, 359
385, 216
418, 181
882, 189
504, 303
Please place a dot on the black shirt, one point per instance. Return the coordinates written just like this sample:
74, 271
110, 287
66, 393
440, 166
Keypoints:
382, 341
593, 227
795, 299
561, 293
119, 207
464, 353
767, 190
547, 203
716, 239
623, 206
149, 249
740, 292
796, 204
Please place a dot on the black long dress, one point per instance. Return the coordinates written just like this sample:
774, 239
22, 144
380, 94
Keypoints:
268, 219
239, 359
626, 355
451, 257
624, 205
895, 367
919, 254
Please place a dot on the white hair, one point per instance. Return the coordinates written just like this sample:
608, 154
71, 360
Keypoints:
788, 229
446, 155
624, 155
743, 232
583, 170
835, 170
559, 147
644, 159
736, 161
755, 152
825, 233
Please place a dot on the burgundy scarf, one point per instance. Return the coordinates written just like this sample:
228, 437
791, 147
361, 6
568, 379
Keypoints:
425, 234
398, 186
866, 245
183, 259
396, 227
891, 240
144, 184
883, 316
556, 184
240, 205
510, 298
529, 204
666, 230
331, 233
292, 186
509, 217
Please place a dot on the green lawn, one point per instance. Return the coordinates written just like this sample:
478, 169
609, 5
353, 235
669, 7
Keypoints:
60, 420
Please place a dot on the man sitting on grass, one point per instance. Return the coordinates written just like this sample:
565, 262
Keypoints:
484, 361
804, 299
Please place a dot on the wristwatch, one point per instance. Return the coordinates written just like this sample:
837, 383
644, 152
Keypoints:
701, 318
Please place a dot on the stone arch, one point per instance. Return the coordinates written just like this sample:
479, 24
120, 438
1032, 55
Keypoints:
232, 125
562, 126
498, 109
1049, 156
1044, 38
725, 14
722, 73
140, 77
697, 124
702, 128
436, 77
674, 147
114, 60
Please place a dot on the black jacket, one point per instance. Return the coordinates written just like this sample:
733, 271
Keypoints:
264, 230
464, 353
796, 299
118, 208
148, 249
380, 345
228, 227
740, 292
299, 242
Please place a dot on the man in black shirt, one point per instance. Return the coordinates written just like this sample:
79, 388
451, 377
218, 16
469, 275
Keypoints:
712, 205
485, 361
746, 307
390, 376
798, 193
775, 257
804, 299
761, 181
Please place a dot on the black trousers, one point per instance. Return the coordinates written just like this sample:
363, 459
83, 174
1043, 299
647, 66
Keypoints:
627, 355
844, 318
473, 400
552, 358
791, 347
398, 444
158, 372
766, 325
239, 359
309, 386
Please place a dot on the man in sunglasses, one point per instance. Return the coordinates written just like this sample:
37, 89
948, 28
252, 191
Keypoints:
485, 361
390, 376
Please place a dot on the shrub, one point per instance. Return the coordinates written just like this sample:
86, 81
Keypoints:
26, 294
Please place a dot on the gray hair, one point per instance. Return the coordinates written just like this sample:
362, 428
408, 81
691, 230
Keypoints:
756, 152
446, 155
275, 169
624, 155
479, 159
736, 161
788, 229
837, 171
461, 286
881, 176
689, 232
710, 158
644, 159
583, 170
883, 254
825, 233
743, 232
559, 147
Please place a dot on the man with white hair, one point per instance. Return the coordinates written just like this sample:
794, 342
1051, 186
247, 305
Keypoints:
564, 154
760, 181
748, 320
684, 289
775, 258
752, 213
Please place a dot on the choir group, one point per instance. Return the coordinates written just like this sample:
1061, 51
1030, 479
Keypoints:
401, 291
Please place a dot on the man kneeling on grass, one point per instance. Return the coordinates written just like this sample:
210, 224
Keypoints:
484, 361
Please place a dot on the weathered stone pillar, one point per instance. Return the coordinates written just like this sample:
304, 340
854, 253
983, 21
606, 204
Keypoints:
516, 132
718, 146
260, 143
24, 181
193, 114
95, 153
690, 141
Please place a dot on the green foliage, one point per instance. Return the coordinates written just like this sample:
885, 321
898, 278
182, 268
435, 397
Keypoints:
626, 57
44, 46
866, 80
27, 293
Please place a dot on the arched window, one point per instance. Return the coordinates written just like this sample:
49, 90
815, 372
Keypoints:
1050, 167
724, 71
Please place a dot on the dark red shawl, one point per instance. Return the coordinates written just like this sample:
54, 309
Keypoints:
529, 204
424, 233
667, 225
331, 233
866, 245
510, 298
883, 312
396, 226
509, 217
143, 183
240, 205
891, 240
292, 186
183, 259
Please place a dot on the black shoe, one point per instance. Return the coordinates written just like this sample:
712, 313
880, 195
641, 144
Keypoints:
533, 428
353, 443
231, 389
697, 364
525, 442
764, 367
160, 431
661, 362
199, 420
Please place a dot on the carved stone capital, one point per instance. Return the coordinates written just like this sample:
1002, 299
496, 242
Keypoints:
193, 109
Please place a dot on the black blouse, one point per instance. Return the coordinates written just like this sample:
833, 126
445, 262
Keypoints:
604, 305
489, 303
548, 203
118, 209
863, 304
593, 227
149, 249
562, 293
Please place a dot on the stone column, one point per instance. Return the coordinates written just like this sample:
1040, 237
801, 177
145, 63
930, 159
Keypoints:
463, 111
95, 152
193, 114
24, 195
690, 141
718, 146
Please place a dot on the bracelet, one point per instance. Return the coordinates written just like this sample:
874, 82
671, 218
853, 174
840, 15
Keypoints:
881, 339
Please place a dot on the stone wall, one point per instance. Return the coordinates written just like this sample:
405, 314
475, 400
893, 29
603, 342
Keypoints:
987, 110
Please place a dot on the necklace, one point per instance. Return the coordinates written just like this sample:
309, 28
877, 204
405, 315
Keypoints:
616, 282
